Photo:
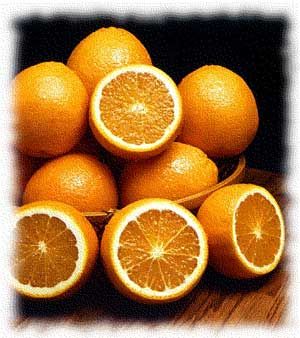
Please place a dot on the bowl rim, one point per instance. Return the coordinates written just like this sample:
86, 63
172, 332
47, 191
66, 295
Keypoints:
238, 170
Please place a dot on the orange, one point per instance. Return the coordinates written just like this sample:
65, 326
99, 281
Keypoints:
220, 113
245, 230
135, 111
50, 105
54, 250
180, 171
154, 251
103, 51
76, 179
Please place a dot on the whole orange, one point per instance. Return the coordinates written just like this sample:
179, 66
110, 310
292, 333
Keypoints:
220, 112
76, 179
103, 51
50, 105
179, 171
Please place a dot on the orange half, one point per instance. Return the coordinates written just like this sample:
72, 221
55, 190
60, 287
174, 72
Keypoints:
258, 232
154, 251
136, 111
245, 230
54, 250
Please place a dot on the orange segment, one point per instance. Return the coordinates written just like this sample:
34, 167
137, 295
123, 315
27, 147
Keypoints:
135, 111
245, 230
154, 250
54, 249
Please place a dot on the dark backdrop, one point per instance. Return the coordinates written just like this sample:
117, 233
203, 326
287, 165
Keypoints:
252, 46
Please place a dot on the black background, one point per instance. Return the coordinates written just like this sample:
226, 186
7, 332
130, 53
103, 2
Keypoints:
252, 46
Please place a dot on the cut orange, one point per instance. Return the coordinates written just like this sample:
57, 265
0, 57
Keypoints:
103, 51
154, 251
135, 111
54, 251
245, 230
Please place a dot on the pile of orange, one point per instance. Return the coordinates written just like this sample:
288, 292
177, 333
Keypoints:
105, 125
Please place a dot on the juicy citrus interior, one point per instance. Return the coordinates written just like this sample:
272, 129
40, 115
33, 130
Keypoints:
136, 111
46, 251
158, 250
55, 249
154, 250
245, 230
258, 230
134, 101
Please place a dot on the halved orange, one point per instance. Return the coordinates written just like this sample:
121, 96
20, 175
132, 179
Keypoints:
136, 111
54, 250
245, 230
154, 250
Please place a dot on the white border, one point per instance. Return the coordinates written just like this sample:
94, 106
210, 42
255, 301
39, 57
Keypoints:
154, 8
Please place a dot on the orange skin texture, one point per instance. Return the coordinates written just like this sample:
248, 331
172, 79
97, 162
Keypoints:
50, 106
215, 215
220, 111
179, 171
76, 179
103, 51
89, 236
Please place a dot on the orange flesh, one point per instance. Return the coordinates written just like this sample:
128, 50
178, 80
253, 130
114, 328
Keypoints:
158, 250
45, 251
258, 230
137, 107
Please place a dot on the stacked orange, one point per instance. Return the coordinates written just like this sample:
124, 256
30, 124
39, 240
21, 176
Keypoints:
153, 249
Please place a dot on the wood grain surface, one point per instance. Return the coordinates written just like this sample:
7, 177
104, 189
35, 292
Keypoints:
216, 300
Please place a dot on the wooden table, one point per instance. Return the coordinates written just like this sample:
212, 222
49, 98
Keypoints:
216, 300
